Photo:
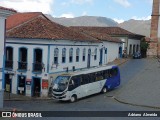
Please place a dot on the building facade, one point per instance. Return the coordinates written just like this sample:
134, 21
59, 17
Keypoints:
131, 41
37, 53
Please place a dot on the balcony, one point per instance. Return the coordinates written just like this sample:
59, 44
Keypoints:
8, 64
22, 66
37, 67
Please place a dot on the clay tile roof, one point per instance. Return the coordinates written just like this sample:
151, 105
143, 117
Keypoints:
20, 18
97, 34
41, 28
103, 37
106, 30
112, 31
9, 9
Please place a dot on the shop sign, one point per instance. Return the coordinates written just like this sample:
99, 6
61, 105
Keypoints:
44, 84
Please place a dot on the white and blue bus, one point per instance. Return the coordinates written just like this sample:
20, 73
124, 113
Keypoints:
72, 86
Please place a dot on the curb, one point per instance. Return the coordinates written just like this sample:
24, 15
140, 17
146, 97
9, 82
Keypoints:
32, 99
133, 104
123, 62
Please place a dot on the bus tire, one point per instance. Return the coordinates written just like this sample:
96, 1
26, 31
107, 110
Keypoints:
73, 98
104, 90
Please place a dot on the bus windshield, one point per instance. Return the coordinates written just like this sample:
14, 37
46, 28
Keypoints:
60, 83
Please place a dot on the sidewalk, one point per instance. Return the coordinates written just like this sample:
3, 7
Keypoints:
143, 89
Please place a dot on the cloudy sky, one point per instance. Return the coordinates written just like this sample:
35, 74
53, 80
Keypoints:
118, 10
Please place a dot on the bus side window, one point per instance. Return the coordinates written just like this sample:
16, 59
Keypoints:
115, 72
106, 74
85, 79
92, 77
74, 82
110, 73
99, 76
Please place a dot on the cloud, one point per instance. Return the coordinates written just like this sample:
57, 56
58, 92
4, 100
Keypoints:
80, 2
124, 3
67, 15
118, 20
141, 18
29, 5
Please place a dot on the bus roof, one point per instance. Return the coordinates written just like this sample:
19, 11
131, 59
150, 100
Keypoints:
86, 71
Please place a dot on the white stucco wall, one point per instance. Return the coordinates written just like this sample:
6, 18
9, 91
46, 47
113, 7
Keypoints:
112, 51
133, 42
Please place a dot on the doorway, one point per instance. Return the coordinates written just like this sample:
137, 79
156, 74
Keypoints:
120, 52
89, 59
36, 87
101, 56
21, 85
8, 83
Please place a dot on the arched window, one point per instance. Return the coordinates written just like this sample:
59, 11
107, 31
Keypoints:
84, 54
71, 55
77, 54
56, 53
63, 55
95, 54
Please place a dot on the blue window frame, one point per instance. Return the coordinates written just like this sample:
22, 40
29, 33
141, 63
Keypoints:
84, 54
56, 54
71, 55
77, 54
63, 55
95, 54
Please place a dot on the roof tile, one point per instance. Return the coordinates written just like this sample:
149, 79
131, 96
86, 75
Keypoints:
9, 9
20, 18
41, 28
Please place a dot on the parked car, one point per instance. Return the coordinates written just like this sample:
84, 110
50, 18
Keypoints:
137, 55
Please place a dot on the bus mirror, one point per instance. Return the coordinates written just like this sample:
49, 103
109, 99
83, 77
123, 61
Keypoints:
71, 82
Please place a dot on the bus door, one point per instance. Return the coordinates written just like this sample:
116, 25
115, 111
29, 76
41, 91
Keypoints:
85, 85
74, 86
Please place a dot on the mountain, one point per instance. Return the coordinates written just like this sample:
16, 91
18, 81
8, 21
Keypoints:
85, 21
136, 26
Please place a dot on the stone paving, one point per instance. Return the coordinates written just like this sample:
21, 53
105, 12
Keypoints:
144, 88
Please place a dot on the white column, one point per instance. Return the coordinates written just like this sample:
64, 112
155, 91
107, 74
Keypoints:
2, 28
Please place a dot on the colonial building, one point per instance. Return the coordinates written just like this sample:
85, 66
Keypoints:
154, 47
37, 49
131, 41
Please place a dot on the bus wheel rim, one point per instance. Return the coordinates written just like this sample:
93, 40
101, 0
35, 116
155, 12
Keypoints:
73, 99
104, 90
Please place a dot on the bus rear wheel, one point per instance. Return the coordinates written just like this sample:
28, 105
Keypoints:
73, 98
104, 90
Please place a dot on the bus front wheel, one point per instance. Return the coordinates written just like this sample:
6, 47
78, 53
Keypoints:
73, 98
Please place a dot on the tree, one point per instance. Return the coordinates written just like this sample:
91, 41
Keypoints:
144, 47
